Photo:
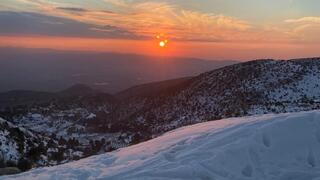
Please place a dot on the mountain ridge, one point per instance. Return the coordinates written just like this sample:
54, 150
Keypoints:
232, 91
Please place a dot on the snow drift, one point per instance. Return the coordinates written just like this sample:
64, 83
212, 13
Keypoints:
284, 146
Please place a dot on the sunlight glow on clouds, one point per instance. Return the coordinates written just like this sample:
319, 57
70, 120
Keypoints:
148, 18
306, 28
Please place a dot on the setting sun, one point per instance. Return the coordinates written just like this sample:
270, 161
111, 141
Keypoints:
162, 44
163, 40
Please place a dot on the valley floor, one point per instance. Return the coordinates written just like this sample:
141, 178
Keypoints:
278, 147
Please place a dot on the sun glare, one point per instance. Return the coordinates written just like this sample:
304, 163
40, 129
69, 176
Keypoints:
163, 40
162, 44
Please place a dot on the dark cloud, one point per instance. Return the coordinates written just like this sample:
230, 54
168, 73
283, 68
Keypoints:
72, 9
107, 11
26, 23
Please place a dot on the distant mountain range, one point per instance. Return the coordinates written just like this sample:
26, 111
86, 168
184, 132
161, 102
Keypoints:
106, 122
53, 70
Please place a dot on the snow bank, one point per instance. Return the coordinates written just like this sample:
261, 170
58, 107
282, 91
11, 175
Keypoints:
285, 146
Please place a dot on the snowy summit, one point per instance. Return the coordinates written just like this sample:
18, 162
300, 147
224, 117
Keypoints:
278, 147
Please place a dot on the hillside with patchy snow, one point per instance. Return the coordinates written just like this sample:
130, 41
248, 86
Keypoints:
23, 148
278, 147
68, 120
255, 87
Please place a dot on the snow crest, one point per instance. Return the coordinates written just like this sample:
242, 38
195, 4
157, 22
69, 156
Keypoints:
278, 147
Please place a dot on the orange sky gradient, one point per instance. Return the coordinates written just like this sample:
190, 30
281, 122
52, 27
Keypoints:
209, 29
205, 50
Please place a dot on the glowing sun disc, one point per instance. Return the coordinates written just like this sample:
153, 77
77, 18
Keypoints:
162, 44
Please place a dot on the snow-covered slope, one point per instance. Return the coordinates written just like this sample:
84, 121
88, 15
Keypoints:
283, 146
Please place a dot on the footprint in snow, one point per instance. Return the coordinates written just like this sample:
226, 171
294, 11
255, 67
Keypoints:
247, 171
266, 140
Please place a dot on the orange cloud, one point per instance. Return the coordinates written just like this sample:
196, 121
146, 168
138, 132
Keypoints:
305, 29
149, 18
146, 19
304, 20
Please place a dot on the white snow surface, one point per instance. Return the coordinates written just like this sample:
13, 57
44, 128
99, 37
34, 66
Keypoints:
277, 147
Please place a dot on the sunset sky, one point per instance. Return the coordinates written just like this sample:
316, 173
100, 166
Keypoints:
211, 29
